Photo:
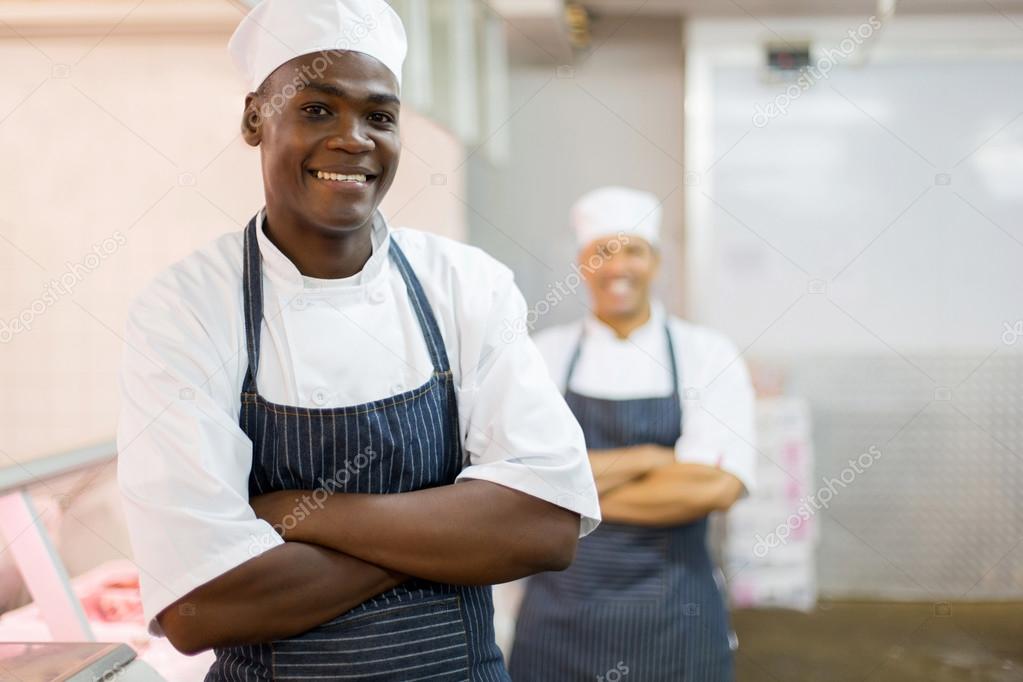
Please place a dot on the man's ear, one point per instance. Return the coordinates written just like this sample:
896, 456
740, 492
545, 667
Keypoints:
252, 121
655, 257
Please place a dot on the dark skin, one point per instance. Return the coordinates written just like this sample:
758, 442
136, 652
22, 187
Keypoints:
345, 121
644, 485
452, 534
280, 593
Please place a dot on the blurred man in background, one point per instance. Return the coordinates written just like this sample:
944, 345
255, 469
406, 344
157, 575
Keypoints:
641, 596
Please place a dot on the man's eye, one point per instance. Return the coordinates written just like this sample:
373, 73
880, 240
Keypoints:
315, 110
381, 117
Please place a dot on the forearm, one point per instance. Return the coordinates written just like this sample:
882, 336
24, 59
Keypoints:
676, 494
280, 593
472, 532
615, 467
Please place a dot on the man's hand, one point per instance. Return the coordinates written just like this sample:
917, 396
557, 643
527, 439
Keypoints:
671, 495
615, 467
656, 456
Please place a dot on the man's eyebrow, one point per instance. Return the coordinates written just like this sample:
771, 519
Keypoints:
384, 98
334, 91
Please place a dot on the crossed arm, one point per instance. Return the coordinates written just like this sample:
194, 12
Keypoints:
282, 592
348, 548
645, 485
352, 547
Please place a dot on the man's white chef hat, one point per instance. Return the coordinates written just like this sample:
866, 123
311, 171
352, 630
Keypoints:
276, 31
607, 211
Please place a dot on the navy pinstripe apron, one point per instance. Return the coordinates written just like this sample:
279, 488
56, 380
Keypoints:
419, 630
638, 604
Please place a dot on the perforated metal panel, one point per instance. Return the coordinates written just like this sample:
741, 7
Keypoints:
939, 515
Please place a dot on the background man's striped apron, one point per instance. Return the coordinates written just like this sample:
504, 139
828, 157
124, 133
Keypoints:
419, 630
639, 604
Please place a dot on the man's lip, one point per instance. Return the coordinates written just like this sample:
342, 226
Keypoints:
314, 173
343, 170
619, 286
344, 186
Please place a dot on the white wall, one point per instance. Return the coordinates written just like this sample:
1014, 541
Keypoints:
892, 185
868, 242
128, 132
612, 117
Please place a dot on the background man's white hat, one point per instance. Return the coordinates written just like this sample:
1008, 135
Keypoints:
608, 211
276, 31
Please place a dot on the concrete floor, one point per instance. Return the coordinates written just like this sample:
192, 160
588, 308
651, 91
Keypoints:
882, 642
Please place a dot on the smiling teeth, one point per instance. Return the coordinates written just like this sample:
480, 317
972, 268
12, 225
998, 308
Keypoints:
619, 286
338, 177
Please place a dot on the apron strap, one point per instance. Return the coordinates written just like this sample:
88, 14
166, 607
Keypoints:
252, 281
575, 356
674, 362
427, 321
671, 356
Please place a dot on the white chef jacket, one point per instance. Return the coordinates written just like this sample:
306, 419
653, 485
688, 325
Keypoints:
184, 461
714, 385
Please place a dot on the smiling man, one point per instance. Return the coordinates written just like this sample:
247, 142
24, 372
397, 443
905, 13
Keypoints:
641, 598
328, 450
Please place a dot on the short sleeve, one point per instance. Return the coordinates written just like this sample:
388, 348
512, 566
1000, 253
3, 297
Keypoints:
183, 460
520, 432
718, 410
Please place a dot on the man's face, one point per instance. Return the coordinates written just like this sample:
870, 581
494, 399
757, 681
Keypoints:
619, 274
318, 117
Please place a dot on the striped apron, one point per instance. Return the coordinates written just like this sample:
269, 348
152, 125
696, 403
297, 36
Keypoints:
419, 630
639, 603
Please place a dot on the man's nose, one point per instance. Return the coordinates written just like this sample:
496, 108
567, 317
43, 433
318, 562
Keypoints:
611, 264
350, 136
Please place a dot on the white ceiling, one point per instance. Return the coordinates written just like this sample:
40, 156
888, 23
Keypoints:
536, 27
766, 8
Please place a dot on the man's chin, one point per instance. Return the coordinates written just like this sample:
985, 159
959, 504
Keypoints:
343, 219
622, 310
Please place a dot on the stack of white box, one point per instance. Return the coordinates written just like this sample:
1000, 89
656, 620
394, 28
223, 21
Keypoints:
768, 550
